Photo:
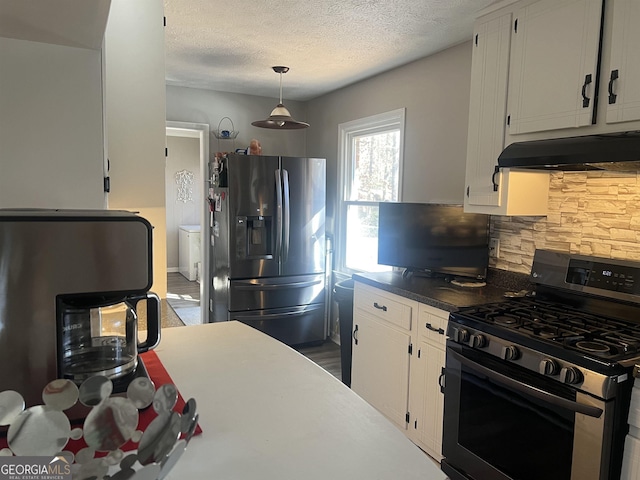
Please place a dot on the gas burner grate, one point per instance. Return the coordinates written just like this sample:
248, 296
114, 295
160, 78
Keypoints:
593, 335
594, 347
506, 320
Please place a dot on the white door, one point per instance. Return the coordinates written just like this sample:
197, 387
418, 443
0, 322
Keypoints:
623, 88
487, 109
554, 63
380, 367
430, 434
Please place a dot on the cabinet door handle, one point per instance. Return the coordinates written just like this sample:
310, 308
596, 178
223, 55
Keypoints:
355, 336
586, 100
496, 171
380, 307
442, 380
433, 329
613, 78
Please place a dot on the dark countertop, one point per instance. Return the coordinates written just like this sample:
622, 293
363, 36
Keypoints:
442, 294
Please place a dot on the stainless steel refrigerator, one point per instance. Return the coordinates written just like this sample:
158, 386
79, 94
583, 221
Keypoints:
267, 237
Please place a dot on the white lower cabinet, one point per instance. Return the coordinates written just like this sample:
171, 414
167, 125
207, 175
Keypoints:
398, 357
381, 363
426, 400
380, 355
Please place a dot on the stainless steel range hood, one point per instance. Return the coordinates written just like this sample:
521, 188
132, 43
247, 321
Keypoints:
618, 152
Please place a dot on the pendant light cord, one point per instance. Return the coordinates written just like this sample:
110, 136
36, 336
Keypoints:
280, 117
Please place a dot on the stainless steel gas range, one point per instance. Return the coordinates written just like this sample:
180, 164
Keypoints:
539, 387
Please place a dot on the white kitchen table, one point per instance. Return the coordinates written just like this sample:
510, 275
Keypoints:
269, 413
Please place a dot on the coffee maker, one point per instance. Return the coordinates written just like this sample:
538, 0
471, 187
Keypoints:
70, 284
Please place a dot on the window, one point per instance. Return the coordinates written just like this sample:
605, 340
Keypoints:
370, 159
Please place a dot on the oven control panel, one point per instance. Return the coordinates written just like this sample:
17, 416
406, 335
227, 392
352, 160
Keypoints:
609, 278
535, 361
605, 276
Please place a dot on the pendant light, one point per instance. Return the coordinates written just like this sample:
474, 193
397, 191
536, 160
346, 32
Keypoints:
280, 117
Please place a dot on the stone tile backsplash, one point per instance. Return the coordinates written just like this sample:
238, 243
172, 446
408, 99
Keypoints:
590, 213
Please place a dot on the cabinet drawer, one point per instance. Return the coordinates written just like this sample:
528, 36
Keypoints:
432, 324
383, 305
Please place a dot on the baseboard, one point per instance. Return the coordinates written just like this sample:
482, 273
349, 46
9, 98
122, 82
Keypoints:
173, 269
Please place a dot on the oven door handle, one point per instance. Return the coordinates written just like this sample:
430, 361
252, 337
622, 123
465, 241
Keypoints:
528, 389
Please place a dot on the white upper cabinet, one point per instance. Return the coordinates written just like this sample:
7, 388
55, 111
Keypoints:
554, 65
545, 69
489, 191
487, 108
554, 51
623, 75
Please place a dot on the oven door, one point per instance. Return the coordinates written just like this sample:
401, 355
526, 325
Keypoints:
504, 422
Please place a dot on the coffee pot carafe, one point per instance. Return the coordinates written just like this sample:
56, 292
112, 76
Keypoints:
72, 283
100, 336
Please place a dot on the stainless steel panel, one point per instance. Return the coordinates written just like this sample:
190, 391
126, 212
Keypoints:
251, 200
550, 269
219, 260
591, 442
306, 231
45, 254
276, 292
293, 326
270, 225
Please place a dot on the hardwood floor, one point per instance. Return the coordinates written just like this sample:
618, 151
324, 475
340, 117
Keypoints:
326, 355
181, 293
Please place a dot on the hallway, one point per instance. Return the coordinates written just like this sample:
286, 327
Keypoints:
183, 297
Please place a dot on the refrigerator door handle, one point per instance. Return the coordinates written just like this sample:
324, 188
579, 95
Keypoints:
287, 215
278, 249
275, 286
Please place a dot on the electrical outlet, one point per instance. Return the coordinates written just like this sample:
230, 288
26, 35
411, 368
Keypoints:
494, 247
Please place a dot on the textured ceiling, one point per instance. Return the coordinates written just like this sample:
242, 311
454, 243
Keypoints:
231, 45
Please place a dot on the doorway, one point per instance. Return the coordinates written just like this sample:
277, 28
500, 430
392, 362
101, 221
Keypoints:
187, 220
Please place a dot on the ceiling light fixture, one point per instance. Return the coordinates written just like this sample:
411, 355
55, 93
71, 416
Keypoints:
280, 117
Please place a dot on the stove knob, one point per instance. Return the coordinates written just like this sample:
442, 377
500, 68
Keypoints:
548, 367
510, 352
460, 335
478, 341
570, 375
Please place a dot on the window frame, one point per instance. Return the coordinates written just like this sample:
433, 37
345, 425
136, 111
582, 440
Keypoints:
379, 123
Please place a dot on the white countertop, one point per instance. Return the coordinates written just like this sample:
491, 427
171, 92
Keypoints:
269, 413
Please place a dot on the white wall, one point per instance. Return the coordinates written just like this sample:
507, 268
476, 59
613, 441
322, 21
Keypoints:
210, 107
435, 93
184, 154
51, 128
